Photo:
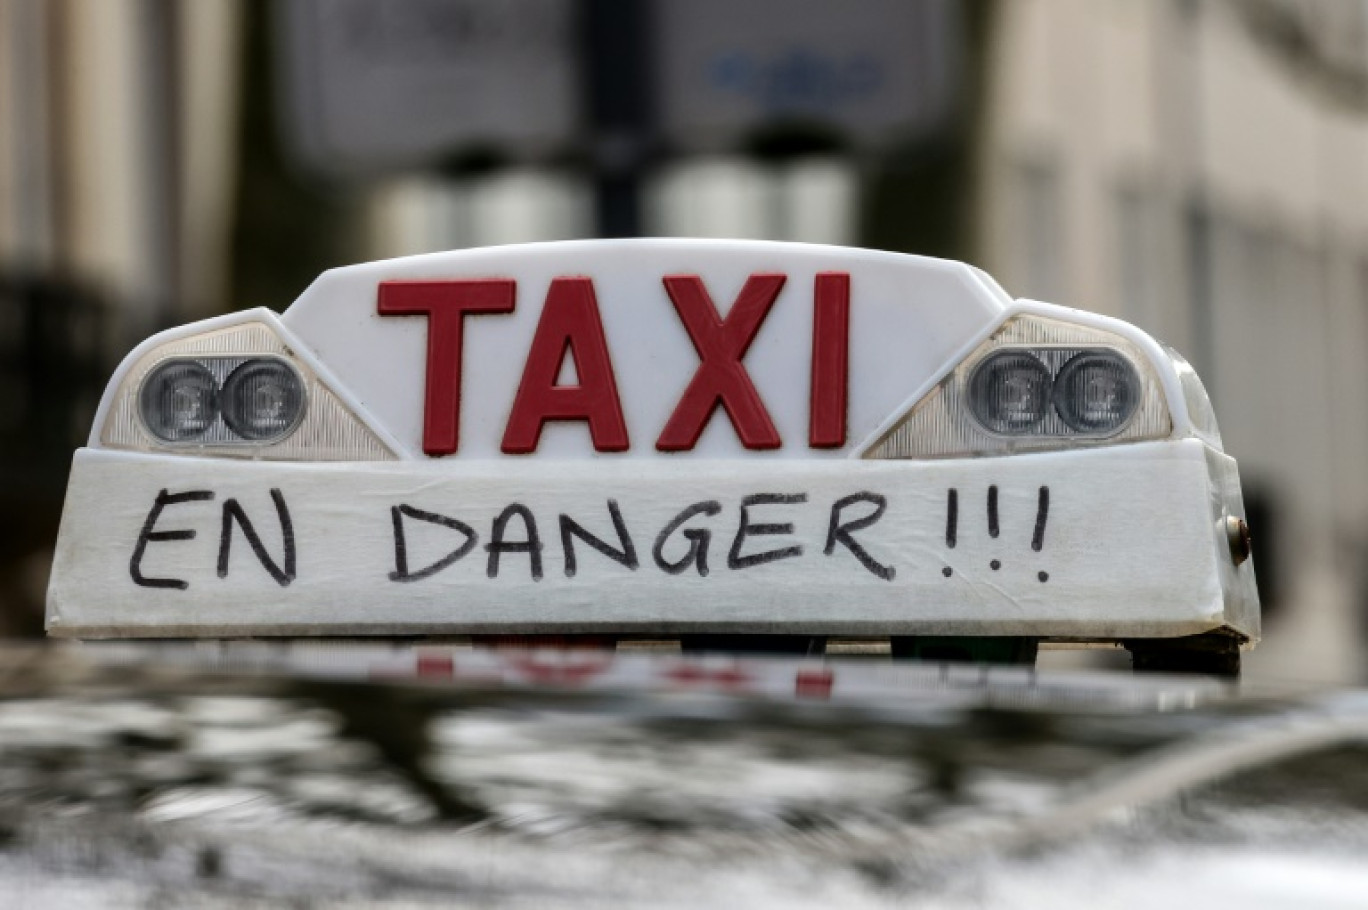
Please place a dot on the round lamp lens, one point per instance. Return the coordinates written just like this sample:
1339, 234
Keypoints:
1097, 392
1010, 392
179, 401
263, 400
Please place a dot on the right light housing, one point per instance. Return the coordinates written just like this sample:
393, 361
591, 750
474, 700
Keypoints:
1036, 384
1096, 391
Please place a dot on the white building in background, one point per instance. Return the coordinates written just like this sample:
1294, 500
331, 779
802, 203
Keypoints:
118, 148
812, 200
1184, 166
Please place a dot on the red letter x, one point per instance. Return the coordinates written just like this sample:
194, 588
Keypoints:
445, 304
721, 343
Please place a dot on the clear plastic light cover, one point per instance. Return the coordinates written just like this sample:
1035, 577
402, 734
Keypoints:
1096, 392
263, 399
179, 401
236, 392
1199, 409
1037, 384
221, 400
1009, 392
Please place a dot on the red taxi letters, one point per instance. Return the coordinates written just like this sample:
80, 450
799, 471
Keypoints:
570, 323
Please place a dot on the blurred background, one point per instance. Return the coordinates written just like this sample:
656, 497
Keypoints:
1198, 167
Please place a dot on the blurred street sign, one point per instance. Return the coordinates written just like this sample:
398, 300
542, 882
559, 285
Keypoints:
375, 86
370, 87
869, 71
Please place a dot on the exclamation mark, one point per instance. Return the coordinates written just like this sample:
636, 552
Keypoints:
993, 522
951, 524
1042, 515
951, 518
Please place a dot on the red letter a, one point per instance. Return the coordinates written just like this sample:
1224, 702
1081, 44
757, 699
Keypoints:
570, 320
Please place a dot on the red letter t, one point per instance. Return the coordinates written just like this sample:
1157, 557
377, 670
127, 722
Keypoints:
445, 304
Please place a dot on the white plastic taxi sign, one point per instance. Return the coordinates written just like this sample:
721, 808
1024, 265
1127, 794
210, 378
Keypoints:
654, 437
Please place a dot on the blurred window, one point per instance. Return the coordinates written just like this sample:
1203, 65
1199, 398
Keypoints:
710, 196
810, 199
1137, 256
425, 214
1040, 229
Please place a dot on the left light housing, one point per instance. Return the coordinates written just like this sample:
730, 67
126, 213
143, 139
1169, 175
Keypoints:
178, 400
221, 400
233, 387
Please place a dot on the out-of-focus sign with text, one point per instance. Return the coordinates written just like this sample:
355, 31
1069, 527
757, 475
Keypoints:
373, 86
870, 71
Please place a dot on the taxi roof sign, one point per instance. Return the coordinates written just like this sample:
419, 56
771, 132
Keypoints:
655, 436
635, 313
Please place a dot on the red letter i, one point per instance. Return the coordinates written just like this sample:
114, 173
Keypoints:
830, 360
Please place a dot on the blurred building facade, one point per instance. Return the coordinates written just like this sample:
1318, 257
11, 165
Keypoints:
118, 149
1199, 167
117, 167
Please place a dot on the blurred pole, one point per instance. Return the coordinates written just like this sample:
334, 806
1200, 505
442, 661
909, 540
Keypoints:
288, 226
617, 59
920, 197
160, 85
1197, 215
